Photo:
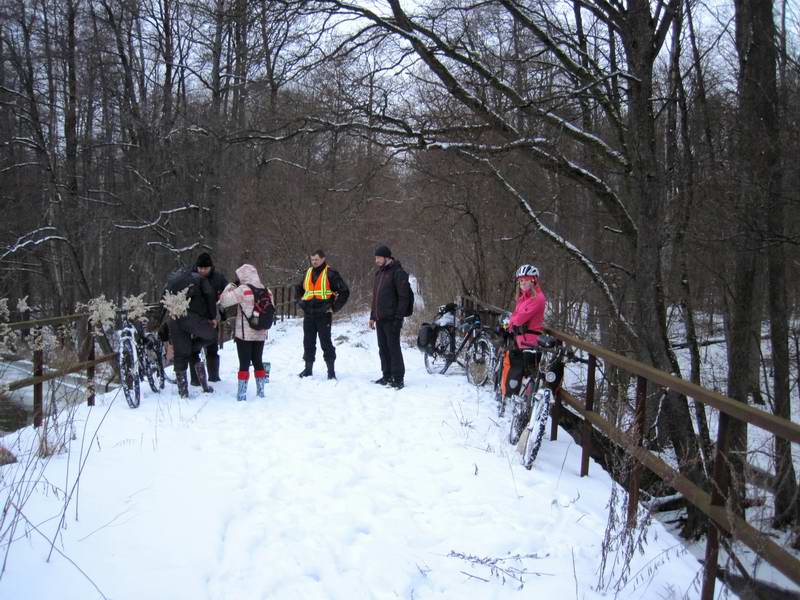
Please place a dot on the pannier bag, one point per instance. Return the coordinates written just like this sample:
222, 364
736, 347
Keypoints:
516, 364
425, 337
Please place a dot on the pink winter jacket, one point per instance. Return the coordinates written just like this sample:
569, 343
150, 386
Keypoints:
242, 296
529, 311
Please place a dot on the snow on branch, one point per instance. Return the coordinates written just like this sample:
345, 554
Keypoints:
21, 165
178, 251
564, 244
161, 215
471, 61
27, 240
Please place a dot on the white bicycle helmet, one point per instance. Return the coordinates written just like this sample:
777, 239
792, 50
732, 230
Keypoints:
527, 271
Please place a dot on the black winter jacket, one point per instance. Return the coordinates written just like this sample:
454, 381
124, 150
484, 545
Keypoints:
315, 306
218, 283
391, 294
202, 298
216, 279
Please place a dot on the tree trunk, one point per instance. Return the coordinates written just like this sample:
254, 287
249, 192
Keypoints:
758, 170
786, 484
169, 58
70, 104
647, 185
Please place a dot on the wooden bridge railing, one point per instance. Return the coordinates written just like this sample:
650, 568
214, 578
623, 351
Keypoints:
713, 505
285, 307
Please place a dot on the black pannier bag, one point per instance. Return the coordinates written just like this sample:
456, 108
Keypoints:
518, 365
425, 337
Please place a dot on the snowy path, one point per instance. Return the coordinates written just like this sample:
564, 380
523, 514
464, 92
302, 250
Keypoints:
324, 490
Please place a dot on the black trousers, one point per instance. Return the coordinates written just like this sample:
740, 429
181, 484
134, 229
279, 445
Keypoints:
250, 353
318, 326
189, 335
391, 354
212, 350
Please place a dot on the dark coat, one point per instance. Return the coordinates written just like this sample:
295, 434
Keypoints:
216, 279
391, 294
218, 283
315, 306
202, 297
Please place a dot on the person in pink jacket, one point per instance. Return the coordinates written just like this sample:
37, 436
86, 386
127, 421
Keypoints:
249, 341
529, 308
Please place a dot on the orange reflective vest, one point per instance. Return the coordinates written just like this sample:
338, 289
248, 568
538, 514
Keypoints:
319, 289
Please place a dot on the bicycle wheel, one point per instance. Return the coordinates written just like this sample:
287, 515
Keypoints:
154, 363
480, 362
437, 361
520, 415
158, 362
537, 426
128, 377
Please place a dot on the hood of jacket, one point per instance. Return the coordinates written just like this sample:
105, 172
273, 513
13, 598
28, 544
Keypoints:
248, 275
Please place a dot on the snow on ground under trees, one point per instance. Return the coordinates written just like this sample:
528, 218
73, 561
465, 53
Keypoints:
321, 490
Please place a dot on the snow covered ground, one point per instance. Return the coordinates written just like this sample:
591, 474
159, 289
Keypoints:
322, 490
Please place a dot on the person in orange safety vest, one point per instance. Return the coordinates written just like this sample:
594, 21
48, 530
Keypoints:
321, 293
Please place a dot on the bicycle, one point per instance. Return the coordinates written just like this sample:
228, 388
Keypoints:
506, 345
128, 360
151, 365
531, 407
475, 353
552, 357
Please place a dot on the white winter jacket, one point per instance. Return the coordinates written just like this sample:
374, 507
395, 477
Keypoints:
242, 296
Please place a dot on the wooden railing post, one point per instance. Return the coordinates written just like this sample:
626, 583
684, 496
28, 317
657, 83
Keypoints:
90, 369
639, 425
719, 492
586, 441
38, 368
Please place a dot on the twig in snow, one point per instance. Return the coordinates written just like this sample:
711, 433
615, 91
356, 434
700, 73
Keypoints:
574, 574
496, 567
563, 462
471, 576
513, 479
64, 556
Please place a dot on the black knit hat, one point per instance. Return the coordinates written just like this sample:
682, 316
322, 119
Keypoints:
383, 251
204, 260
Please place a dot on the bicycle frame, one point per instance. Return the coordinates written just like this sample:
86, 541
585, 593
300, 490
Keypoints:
470, 337
128, 332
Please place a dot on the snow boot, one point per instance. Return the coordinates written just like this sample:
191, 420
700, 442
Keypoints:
266, 372
307, 371
331, 371
241, 395
212, 364
261, 379
200, 369
397, 383
183, 385
385, 380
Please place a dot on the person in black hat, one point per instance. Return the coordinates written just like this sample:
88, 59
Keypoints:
204, 266
391, 302
190, 332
